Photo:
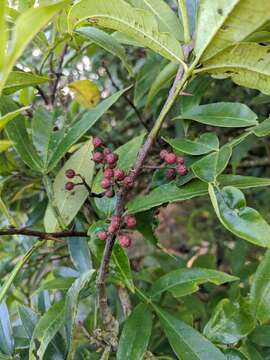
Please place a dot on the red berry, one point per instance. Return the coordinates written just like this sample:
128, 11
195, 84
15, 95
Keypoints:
106, 183
112, 228
102, 235
109, 193
70, 173
116, 220
170, 158
108, 173
163, 154
112, 166
107, 151
98, 157
131, 221
170, 174
125, 241
97, 142
181, 170
119, 174
111, 158
128, 181
180, 160
69, 186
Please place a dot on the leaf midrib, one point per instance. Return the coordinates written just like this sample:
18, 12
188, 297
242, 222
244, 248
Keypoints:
179, 60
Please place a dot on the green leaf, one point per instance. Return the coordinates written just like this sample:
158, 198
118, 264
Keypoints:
136, 334
80, 253
260, 290
166, 193
172, 193
46, 329
70, 202
122, 266
17, 133
263, 129
107, 42
246, 64
10, 116
187, 343
211, 18
4, 145
136, 23
261, 335
27, 26
204, 144
230, 322
28, 318
167, 18
81, 127
209, 167
183, 282
223, 114
59, 314
61, 284
18, 80
163, 78
71, 304
146, 227
232, 354
3, 34
244, 222
225, 23
251, 352
243, 182
127, 155
6, 336
43, 135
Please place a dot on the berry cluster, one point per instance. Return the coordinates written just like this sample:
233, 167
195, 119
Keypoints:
178, 163
112, 176
114, 227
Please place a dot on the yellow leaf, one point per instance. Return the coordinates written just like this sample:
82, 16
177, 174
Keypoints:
86, 93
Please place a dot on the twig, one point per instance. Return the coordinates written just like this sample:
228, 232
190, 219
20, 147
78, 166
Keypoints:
58, 74
127, 99
43, 95
42, 234
178, 85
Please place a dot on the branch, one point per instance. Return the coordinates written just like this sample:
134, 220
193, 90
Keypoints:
42, 234
58, 74
178, 85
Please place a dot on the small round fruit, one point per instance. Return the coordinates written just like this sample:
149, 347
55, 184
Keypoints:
98, 157
70, 173
97, 142
180, 160
69, 186
112, 229
131, 221
106, 183
128, 182
181, 170
163, 154
170, 174
119, 174
116, 220
111, 158
108, 173
170, 158
107, 151
109, 193
102, 235
125, 241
